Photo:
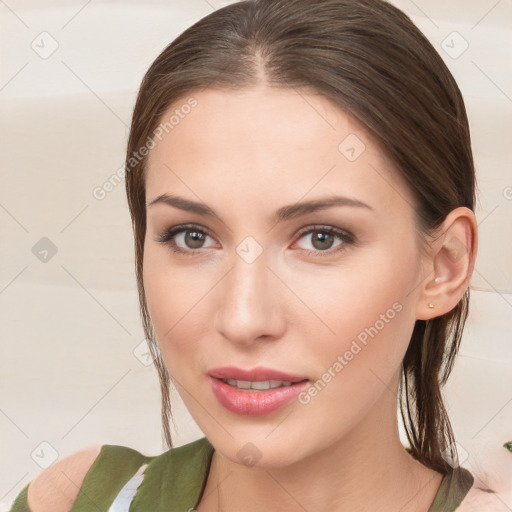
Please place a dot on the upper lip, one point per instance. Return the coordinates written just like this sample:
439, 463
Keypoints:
259, 373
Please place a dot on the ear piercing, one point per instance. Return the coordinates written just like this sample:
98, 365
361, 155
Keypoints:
436, 281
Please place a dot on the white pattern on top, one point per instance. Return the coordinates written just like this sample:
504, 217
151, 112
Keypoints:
128, 492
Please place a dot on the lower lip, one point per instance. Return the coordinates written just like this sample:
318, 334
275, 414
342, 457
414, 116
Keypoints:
254, 403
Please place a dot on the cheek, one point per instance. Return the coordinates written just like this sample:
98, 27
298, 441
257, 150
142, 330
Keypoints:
370, 310
175, 299
372, 314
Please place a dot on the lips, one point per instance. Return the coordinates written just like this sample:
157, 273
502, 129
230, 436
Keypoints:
249, 402
259, 373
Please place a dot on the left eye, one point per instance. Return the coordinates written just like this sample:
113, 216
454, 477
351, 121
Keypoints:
192, 238
322, 239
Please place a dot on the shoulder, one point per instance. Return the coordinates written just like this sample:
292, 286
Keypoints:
479, 500
108, 471
56, 488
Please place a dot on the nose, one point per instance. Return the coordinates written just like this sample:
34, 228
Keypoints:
250, 303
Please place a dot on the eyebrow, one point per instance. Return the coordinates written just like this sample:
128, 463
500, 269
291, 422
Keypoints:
282, 214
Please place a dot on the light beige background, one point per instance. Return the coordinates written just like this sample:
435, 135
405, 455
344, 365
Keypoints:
72, 368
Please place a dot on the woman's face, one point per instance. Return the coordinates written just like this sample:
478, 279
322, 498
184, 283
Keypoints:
248, 289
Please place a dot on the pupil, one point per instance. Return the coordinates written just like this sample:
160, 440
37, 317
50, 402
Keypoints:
322, 237
195, 238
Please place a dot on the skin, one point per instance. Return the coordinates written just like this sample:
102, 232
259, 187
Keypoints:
246, 154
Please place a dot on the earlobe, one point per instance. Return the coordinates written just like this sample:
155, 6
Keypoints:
453, 253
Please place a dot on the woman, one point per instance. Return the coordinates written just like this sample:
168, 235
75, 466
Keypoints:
301, 185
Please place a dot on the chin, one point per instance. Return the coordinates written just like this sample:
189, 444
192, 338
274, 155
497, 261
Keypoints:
259, 449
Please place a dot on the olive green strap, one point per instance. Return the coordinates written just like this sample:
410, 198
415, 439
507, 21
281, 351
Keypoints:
175, 480
113, 467
20, 504
452, 491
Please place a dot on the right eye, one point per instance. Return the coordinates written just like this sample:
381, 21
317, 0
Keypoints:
186, 240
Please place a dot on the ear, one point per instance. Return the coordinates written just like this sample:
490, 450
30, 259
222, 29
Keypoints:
450, 264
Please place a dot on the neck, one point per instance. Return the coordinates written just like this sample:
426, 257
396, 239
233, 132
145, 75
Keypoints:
367, 470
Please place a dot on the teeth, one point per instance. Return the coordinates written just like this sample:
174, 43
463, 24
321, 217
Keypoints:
259, 385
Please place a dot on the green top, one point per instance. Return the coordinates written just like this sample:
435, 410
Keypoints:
174, 482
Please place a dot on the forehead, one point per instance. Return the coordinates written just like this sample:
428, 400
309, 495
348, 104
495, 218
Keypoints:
267, 142
255, 118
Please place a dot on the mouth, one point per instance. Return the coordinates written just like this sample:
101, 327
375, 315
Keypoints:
259, 385
255, 392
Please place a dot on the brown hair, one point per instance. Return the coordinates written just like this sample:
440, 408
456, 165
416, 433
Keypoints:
368, 58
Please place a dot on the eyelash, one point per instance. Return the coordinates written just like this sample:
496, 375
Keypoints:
346, 237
